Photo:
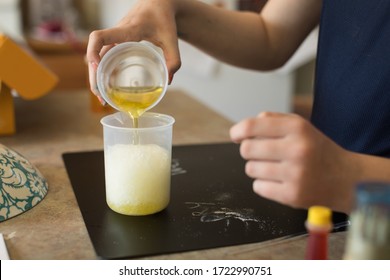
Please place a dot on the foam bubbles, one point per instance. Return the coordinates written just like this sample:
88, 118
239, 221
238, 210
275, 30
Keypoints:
138, 178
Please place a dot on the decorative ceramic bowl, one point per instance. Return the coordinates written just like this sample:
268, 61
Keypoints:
22, 186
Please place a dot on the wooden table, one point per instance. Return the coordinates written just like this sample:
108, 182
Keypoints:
63, 122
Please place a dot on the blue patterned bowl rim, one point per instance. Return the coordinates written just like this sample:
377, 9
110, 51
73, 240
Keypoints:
22, 185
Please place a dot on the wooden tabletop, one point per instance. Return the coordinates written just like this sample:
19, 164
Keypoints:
64, 122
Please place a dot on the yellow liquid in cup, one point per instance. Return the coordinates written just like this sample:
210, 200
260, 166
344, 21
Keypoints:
135, 100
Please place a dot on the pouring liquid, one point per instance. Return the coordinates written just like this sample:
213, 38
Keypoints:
135, 100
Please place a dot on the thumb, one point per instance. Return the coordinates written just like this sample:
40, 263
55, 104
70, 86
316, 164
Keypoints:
173, 60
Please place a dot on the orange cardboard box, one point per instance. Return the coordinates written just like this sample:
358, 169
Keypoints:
22, 72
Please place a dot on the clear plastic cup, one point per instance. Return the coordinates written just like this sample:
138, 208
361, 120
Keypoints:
137, 162
133, 77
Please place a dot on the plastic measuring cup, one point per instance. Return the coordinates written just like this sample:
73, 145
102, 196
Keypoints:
133, 77
138, 176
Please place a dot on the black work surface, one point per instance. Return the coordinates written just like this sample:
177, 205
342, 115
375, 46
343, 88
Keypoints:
212, 205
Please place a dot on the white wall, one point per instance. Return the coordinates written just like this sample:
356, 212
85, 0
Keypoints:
234, 92
10, 19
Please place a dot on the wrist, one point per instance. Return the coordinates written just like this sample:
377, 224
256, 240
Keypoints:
365, 168
190, 16
352, 175
180, 8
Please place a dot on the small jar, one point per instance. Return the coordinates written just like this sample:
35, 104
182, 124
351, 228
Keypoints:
133, 77
369, 234
318, 225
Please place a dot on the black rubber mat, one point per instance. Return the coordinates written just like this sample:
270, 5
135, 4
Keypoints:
212, 205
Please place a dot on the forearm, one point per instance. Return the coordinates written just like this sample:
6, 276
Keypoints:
258, 41
234, 37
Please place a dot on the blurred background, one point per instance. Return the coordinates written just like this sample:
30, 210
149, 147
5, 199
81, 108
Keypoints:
57, 32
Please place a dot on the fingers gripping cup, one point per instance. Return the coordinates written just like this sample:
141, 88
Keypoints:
132, 77
138, 176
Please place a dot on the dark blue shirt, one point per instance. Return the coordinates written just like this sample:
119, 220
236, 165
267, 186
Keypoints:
352, 85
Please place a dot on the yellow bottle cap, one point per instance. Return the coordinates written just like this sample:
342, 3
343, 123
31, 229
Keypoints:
319, 216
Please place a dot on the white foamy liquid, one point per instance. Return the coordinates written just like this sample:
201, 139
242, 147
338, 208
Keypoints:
138, 178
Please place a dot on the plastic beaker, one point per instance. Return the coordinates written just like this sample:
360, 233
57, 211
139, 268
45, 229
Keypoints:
137, 173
